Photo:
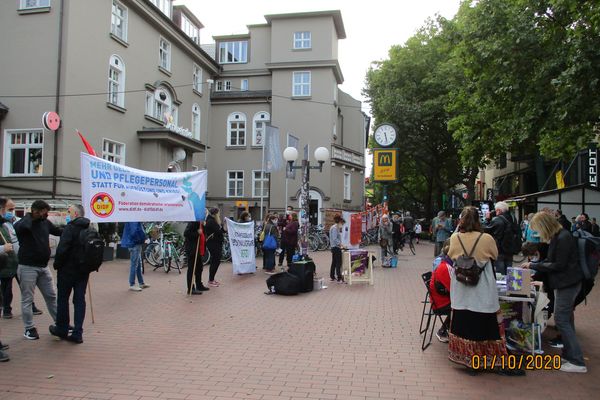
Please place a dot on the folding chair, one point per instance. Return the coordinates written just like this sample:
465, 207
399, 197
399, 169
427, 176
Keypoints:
431, 314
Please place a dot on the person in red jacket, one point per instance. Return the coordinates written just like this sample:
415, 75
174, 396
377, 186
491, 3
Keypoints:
439, 291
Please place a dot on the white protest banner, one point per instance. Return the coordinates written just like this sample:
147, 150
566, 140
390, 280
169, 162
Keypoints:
241, 242
112, 192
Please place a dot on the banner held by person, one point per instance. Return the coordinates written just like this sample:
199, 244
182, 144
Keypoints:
112, 192
241, 242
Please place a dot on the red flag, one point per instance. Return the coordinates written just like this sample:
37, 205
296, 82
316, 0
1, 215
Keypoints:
87, 145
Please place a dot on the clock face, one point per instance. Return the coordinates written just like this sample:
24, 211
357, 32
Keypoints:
385, 135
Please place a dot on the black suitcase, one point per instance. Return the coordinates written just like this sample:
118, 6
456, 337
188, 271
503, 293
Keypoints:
305, 271
284, 283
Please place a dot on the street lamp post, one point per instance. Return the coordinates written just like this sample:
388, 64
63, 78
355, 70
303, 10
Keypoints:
290, 154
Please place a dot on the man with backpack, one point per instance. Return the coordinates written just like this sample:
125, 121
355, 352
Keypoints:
72, 275
507, 234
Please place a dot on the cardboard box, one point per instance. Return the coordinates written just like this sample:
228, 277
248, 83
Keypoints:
518, 281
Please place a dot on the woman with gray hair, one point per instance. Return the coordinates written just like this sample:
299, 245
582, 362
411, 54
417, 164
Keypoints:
385, 239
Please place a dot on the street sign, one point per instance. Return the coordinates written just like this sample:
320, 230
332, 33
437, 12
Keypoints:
385, 165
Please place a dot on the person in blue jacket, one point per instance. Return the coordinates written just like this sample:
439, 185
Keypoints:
133, 238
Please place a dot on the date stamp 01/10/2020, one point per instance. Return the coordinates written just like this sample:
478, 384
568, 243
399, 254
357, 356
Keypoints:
528, 362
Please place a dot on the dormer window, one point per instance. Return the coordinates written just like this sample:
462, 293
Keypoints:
190, 29
233, 52
164, 5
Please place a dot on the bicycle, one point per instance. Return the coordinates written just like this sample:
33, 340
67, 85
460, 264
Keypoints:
226, 253
411, 245
162, 250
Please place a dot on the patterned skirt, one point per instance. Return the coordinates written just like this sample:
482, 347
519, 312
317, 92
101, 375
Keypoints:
475, 334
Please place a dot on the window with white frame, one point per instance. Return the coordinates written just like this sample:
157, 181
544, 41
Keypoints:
235, 183
259, 125
301, 84
190, 29
236, 129
302, 40
223, 86
118, 21
260, 184
196, 121
23, 150
113, 151
347, 187
233, 52
164, 6
116, 81
159, 105
244, 85
164, 54
197, 78
29, 4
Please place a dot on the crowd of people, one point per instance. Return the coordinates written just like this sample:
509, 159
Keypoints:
473, 327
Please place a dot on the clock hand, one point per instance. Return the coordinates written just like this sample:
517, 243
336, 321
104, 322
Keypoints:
386, 139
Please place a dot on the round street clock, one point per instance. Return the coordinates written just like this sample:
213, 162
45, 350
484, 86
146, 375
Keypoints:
385, 135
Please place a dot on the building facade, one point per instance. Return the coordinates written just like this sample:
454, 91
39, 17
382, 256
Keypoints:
132, 77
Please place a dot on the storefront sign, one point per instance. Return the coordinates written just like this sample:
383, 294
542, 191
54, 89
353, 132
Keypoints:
385, 165
593, 165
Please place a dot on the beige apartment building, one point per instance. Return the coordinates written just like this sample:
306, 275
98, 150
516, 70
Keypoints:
132, 77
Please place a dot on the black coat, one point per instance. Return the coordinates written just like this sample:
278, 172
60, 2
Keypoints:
191, 238
564, 222
213, 232
497, 227
69, 253
34, 240
562, 263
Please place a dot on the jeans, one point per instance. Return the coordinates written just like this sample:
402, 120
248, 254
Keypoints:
29, 278
135, 256
66, 284
336, 264
7, 294
564, 301
503, 262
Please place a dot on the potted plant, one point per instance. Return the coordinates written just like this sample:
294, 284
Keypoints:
108, 231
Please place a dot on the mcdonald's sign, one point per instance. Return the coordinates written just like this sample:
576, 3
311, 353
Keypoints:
385, 165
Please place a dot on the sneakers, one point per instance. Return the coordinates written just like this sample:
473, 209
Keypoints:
3, 346
442, 336
144, 286
75, 339
4, 357
214, 283
54, 332
31, 334
566, 366
268, 272
135, 288
35, 310
556, 343
7, 315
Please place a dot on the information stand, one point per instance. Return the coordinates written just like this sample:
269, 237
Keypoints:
357, 265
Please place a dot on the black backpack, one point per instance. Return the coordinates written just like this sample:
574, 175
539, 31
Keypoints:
512, 239
588, 248
284, 283
93, 250
466, 269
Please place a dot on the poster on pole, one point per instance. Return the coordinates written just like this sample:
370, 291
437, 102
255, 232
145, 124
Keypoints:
241, 242
347, 231
112, 192
273, 152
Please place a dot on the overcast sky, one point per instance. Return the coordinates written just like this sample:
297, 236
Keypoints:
372, 27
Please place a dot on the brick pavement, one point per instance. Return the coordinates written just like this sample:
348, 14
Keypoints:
234, 342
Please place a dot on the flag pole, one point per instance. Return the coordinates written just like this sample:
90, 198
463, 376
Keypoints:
195, 262
262, 173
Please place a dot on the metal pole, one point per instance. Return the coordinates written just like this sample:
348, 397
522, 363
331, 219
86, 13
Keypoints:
305, 206
262, 174
286, 191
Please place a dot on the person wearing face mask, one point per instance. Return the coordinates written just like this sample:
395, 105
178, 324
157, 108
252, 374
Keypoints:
269, 254
33, 232
213, 230
7, 219
71, 276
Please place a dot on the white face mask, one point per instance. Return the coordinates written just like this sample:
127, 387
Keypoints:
274, 220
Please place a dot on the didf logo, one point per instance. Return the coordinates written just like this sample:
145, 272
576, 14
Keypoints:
102, 205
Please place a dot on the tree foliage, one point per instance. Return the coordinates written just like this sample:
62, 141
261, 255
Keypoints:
520, 76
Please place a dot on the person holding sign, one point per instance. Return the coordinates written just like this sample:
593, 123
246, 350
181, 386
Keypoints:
195, 243
133, 239
214, 241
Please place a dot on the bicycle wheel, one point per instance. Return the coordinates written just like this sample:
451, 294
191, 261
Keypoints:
153, 254
313, 243
226, 253
176, 259
411, 246
324, 245
167, 264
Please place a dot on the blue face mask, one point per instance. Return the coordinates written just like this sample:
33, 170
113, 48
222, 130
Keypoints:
68, 218
9, 216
